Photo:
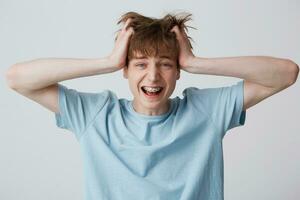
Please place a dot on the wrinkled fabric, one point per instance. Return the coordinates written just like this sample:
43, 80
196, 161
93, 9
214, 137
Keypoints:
131, 156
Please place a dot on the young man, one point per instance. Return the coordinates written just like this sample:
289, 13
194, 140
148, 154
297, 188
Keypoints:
152, 147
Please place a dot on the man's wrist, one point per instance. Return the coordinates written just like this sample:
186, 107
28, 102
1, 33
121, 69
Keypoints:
194, 64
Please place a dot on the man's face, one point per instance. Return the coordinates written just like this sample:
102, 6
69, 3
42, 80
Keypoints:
155, 72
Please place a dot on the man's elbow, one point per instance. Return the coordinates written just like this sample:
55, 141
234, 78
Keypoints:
293, 72
10, 74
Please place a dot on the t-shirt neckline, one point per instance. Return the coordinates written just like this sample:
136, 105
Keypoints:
153, 117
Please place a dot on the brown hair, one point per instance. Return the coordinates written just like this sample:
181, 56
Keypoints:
152, 36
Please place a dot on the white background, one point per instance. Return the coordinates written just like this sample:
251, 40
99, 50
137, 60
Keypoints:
40, 161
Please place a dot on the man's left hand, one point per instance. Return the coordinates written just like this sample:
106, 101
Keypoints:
186, 55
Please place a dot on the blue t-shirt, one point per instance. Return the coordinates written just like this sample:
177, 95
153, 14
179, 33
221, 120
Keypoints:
174, 156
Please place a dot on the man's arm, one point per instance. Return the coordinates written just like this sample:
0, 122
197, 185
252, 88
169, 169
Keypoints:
43, 72
37, 79
263, 76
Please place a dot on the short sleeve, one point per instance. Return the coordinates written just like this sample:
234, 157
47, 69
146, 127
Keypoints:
224, 105
78, 109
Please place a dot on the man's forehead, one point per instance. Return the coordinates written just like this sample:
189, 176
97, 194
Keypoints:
161, 56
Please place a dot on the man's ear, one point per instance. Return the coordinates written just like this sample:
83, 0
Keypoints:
125, 72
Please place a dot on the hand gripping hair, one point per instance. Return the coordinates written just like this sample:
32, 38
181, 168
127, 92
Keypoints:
152, 36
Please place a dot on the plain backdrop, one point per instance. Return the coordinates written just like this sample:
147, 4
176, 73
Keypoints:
40, 161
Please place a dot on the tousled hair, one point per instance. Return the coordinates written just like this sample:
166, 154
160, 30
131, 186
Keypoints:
152, 36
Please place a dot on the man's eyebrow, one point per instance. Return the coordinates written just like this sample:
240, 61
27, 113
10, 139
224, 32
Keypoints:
168, 57
143, 57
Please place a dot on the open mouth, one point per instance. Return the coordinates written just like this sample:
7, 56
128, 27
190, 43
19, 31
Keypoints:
152, 91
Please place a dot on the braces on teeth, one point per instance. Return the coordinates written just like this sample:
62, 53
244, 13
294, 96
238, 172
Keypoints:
149, 89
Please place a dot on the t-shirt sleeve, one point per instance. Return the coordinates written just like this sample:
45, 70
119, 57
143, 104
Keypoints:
224, 105
78, 109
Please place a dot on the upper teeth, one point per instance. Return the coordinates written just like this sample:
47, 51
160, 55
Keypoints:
152, 89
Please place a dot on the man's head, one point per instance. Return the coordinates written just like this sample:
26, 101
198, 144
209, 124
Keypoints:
152, 36
152, 60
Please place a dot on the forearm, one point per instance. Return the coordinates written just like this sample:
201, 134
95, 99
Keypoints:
40, 73
264, 70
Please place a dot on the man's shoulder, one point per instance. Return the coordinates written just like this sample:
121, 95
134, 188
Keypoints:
203, 92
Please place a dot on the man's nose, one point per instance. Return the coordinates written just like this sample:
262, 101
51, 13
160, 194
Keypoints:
153, 73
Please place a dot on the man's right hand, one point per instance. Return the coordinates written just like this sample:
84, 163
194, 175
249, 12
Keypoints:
119, 53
